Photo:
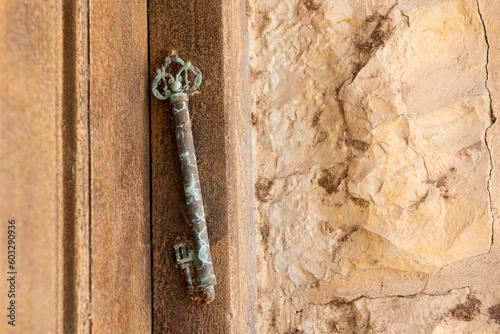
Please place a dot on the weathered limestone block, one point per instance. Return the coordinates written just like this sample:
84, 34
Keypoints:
371, 161
455, 312
421, 108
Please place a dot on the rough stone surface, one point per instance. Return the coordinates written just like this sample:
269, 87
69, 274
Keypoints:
455, 312
374, 151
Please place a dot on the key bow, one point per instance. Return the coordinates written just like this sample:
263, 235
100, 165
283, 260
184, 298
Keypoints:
179, 83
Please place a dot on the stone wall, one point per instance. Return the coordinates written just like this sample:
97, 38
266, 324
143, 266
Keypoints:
375, 143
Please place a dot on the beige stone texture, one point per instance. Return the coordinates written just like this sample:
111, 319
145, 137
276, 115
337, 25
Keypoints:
375, 147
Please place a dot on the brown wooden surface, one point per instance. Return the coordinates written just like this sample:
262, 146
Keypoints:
120, 179
31, 184
75, 172
75, 159
189, 28
195, 30
44, 150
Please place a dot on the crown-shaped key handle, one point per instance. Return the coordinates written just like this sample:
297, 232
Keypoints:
179, 83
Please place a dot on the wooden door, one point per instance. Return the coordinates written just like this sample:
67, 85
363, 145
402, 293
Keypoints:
89, 168
212, 35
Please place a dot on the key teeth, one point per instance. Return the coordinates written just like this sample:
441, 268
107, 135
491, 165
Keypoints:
185, 258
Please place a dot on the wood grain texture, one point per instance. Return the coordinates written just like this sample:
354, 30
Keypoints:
75, 172
237, 104
196, 30
44, 151
120, 178
31, 115
191, 29
30, 104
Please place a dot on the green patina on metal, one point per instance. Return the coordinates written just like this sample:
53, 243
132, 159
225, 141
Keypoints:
176, 89
185, 257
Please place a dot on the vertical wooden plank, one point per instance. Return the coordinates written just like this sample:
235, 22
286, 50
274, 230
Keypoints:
44, 170
75, 168
120, 179
196, 29
191, 29
237, 104
31, 168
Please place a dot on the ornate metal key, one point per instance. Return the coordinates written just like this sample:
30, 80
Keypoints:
198, 253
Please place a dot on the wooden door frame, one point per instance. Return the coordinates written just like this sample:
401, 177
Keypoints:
75, 139
213, 36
